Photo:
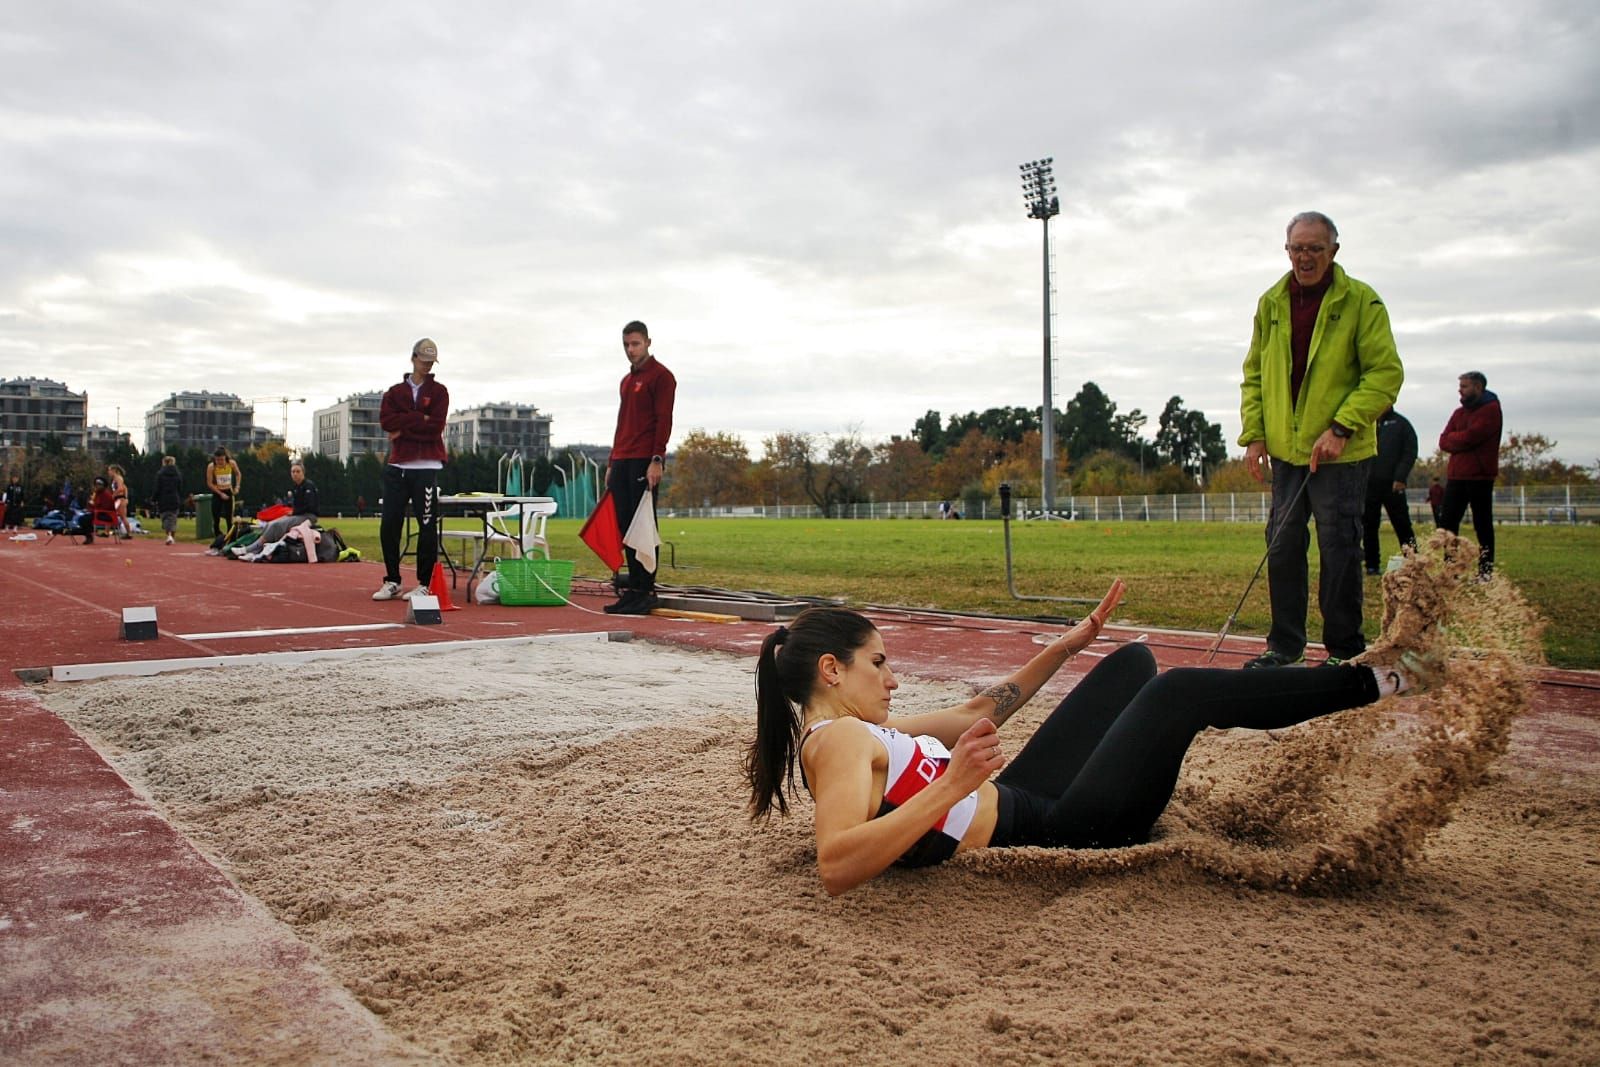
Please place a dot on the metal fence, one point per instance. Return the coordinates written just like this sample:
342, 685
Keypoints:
1529, 504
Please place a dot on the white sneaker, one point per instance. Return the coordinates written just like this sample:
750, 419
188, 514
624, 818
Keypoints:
387, 591
420, 590
170, 541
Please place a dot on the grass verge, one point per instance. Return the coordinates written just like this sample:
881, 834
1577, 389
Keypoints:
1180, 575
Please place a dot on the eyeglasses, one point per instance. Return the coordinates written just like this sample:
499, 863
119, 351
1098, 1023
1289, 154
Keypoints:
1298, 250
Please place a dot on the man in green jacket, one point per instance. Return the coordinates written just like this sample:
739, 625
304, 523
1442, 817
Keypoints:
1322, 367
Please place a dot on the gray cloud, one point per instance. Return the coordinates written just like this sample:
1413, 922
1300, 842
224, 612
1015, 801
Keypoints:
815, 207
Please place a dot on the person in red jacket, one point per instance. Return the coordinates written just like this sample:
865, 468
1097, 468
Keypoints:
638, 457
1472, 438
413, 414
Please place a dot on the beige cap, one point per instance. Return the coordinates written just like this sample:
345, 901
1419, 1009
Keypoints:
425, 350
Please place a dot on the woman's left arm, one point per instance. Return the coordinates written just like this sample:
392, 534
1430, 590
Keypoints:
1000, 701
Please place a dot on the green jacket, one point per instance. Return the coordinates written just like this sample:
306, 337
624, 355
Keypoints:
1353, 373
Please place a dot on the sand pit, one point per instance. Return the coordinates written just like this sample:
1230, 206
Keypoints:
540, 856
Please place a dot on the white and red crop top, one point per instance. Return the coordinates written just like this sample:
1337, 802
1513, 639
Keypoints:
914, 762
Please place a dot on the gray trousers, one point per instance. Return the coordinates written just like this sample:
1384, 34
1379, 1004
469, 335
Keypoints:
1335, 496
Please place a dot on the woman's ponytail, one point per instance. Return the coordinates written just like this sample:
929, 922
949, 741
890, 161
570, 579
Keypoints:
769, 761
786, 672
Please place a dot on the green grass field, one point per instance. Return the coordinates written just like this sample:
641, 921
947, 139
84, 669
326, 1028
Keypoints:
1185, 576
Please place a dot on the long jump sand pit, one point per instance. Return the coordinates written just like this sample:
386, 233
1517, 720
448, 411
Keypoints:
540, 855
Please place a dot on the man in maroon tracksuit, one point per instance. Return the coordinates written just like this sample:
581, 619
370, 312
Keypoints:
1472, 437
638, 456
413, 414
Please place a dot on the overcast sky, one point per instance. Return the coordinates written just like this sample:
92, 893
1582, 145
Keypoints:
814, 206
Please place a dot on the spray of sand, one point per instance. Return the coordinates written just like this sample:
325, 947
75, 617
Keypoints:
1345, 802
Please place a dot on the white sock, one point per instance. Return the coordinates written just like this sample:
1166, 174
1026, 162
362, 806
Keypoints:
1390, 681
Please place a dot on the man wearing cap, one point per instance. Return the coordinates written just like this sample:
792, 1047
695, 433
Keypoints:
413, 414
638, 457
1321, 368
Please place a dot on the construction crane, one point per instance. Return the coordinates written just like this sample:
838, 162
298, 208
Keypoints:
285, 401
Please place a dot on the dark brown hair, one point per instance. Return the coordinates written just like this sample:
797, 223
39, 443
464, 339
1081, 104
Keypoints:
786, 672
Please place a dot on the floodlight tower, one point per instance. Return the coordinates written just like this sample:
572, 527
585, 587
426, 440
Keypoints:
1039, 195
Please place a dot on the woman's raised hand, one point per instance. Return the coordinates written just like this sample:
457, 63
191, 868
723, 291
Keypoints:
976, 756
1082, 635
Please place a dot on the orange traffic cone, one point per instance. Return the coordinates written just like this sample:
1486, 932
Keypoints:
441, 589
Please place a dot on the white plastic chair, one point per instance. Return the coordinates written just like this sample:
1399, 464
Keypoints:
530, 537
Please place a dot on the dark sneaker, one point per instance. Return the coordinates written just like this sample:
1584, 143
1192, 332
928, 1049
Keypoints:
1334, 661
623, 602
1373, 571
634, 604
1273, 658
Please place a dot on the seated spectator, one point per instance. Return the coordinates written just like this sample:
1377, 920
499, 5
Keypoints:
102, 505
302, 508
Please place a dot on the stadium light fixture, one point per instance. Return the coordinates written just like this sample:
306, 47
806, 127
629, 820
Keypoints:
1039, 196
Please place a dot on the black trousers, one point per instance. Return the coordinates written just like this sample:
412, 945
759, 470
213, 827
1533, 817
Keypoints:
630, 490
1478, 494
221, 518
1372, 521
419, 489
1099, 771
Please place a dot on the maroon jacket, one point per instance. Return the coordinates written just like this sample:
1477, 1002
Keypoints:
416, 429
1472, 437
644, 419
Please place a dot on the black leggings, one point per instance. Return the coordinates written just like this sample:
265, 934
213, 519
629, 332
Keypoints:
1098, 772
418, 487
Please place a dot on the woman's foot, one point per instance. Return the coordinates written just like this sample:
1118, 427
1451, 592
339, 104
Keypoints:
1417, 600
1411, 673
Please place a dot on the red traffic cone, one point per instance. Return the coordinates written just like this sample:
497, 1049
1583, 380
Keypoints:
441, 589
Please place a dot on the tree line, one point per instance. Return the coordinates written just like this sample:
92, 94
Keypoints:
964, 457
1100, 451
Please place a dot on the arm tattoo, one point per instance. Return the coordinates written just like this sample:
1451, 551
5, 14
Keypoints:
1007, 697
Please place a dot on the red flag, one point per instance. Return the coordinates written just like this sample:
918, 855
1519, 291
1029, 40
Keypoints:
600, 533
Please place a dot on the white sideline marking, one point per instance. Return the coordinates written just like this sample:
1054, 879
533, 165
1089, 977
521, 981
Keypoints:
293, 630
82, 672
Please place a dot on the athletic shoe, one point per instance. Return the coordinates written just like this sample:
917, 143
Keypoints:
420, 590
1414, 671
1334, 661
1273, 658
170, 540
634, 603
387, 591
1374, 571
213, 551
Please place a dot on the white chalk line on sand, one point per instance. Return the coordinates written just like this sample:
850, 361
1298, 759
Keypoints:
81, 672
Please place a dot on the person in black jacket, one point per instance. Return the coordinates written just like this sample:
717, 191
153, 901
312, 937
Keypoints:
12, 498
303, 507
1386, 485
169, 496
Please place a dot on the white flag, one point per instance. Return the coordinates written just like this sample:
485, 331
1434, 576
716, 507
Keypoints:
642, 535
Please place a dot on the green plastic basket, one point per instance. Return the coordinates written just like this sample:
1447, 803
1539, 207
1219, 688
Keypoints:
535, 582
